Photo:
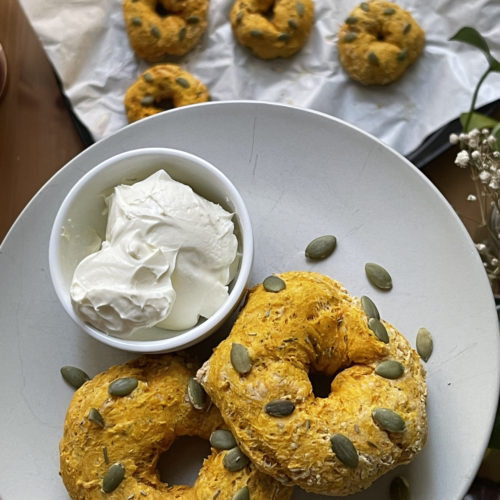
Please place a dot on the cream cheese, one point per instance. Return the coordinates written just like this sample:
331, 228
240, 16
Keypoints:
167, 259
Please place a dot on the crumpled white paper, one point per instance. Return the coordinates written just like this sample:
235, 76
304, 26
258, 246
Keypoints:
89, 48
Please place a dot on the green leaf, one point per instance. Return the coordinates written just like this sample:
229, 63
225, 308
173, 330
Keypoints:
495, 435
473, 37
478, 120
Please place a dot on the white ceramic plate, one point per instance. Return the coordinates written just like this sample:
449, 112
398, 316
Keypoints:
302, 174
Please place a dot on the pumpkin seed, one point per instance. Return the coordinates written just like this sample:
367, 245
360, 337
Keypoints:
182, 33
113, 477
300, 8
182, 82
351, 20
147, 100
369, 307
399, 489
378, 328
74, 376
391, 369
235, 460
193, 20
256, 33
274, 284
148, 77
321, 247
389, 11
155, 32
377, 275
216, 494
349, 37
279, 408
424, 343
105, 455
196, 394
239, 17
364, 6
283, 37
388, 420
96, 417
136, 21
242, 494
407, 29
402, 55
344, 449
222, 439
293, 24
240, 358
373, 58
122, 386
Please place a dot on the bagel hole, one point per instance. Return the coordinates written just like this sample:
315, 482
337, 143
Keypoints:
181, 463
269, 13
164, 103
161, 10
320, 384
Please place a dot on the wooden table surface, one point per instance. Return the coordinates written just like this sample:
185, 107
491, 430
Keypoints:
38, 134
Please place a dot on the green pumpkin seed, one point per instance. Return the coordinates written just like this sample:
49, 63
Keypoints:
389, 11
193, 20
113, 477
148, 77
349, 37
378, 328
402, 55
344, 449
256, 33
242, 494
274, 284
105, 455
369, 307
373, 58
136, 21
240, 358
222, 439
351, 20
182, 82
235, 460
391, 369
364, 6
388, 420
424, 343
196, 394
321, 247
283, 37
74, 376
96, 417
300, 8
182, 33
122, 386
293, 24
378, 276
407, 29
399, 489
155, 32
147, 100
279, 408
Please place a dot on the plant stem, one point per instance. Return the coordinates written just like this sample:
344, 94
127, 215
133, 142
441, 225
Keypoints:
474, 98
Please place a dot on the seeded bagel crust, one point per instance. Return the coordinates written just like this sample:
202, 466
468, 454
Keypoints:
378, 42
314, 325
138, 428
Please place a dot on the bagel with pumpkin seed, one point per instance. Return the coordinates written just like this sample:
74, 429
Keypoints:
372, 420
157, 28
378, 42
279, 34
118, 424
160, 84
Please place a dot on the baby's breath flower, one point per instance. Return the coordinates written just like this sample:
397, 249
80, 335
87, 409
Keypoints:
491, 140
454, 139
462, 159
496, 154
484, 176
472, 197
475, 155
494, 184
474, 133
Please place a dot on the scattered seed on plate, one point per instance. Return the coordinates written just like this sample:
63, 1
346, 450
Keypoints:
378, 276
74, 376
322, 247
424, 343
399, 489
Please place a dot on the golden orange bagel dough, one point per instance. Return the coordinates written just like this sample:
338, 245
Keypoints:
314, 325
378, 42
138, 428
279, 35
175, 31
159, 83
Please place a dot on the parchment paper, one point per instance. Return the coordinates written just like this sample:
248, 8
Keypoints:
89, 48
